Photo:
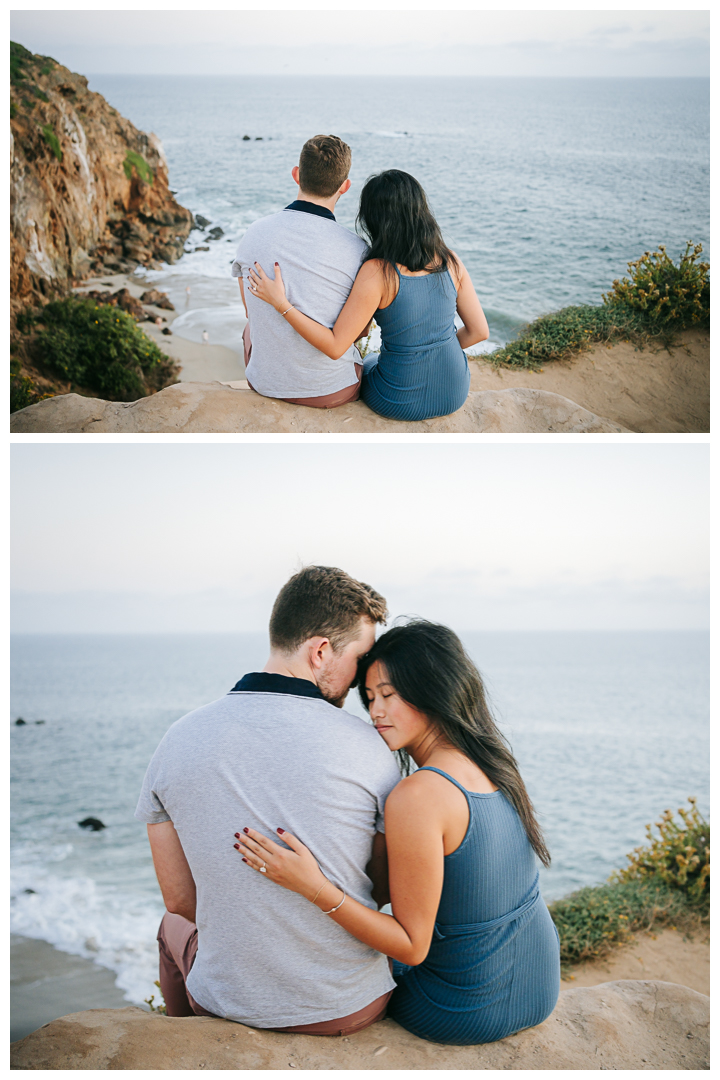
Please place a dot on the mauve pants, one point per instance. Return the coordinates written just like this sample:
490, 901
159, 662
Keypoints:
178, 942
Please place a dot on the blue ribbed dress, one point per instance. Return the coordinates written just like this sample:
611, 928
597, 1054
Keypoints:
494, 962
421, 371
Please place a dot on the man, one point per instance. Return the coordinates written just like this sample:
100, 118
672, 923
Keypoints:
319, 260
278, 751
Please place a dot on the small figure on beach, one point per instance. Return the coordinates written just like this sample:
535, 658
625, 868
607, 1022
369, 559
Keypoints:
328, 285
205, 337
453, 845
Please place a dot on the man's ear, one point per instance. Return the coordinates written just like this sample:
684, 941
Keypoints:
344, 187
320, 648
295, 173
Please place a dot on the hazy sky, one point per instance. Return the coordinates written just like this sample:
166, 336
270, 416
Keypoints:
367, 41
199, 536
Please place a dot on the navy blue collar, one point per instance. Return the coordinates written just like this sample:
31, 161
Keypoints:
311, 208
266, 682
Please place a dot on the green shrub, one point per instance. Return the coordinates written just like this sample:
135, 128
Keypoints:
53, 142
99, 347
137, 162
19, 57
658, 300
40, 93
679, 856
570, 331
592, 921
663, 292
23, 392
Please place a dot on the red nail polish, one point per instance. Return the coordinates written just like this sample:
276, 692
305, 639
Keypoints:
246, 830
281, 831
236, 846
237, 835
244, 860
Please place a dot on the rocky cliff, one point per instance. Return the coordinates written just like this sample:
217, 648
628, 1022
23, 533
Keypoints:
89, 192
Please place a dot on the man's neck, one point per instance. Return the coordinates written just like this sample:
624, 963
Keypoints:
295, 667
329, 204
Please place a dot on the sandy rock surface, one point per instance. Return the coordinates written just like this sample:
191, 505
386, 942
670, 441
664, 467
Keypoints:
651, 389
212, 407
620, 1025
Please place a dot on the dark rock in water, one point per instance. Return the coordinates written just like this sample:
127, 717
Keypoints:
39, 721
159, 299
246, 138
166, 330
20, 721
258, 138
93, 823
216, 233
30, 892
203, 247
201, 221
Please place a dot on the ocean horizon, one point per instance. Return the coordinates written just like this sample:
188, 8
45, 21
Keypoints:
546, 187
609, 729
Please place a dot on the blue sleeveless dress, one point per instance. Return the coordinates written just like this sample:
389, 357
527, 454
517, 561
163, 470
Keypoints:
494, 962
421, 371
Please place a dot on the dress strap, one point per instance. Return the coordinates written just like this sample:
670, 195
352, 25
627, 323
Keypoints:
431, 768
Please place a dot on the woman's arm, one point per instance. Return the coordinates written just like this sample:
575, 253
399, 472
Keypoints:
475, 327
415, 856
360, 306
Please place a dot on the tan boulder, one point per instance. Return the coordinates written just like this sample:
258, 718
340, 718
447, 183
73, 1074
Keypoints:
617, 1025
214, 407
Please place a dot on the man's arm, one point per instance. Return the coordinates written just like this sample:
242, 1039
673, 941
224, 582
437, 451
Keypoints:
173, 871
242, 297
377, 871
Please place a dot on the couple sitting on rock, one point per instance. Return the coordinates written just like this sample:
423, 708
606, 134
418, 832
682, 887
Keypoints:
311, 288
279, 825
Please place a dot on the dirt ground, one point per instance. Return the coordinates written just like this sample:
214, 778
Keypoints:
651, 390
666, 955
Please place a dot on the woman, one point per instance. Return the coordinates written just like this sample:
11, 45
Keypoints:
477, 954
412, 284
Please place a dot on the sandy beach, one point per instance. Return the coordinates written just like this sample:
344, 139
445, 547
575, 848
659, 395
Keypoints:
46, 983
199, 362
645, 390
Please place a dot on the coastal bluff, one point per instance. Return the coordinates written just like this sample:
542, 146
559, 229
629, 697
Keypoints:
88, 190
616, 1025
215, 407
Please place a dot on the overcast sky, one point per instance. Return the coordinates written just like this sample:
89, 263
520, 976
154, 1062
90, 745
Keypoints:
341, 41
199, 536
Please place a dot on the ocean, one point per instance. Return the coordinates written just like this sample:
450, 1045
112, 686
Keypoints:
545, 187
609, 729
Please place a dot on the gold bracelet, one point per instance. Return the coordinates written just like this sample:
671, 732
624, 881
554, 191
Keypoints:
284, 313
318, 892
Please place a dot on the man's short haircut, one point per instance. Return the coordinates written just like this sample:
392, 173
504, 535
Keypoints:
322, 601
324, 165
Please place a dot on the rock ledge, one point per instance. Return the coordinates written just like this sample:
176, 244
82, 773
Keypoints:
214, 407
617, 1025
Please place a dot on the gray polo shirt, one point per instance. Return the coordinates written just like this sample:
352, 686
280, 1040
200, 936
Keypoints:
319, 260
273, 753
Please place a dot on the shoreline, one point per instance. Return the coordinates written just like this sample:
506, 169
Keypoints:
47, 983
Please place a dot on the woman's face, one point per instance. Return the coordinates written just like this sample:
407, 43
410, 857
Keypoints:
401, 725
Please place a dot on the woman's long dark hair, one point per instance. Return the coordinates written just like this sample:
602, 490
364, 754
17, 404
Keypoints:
430, 670
395, 217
